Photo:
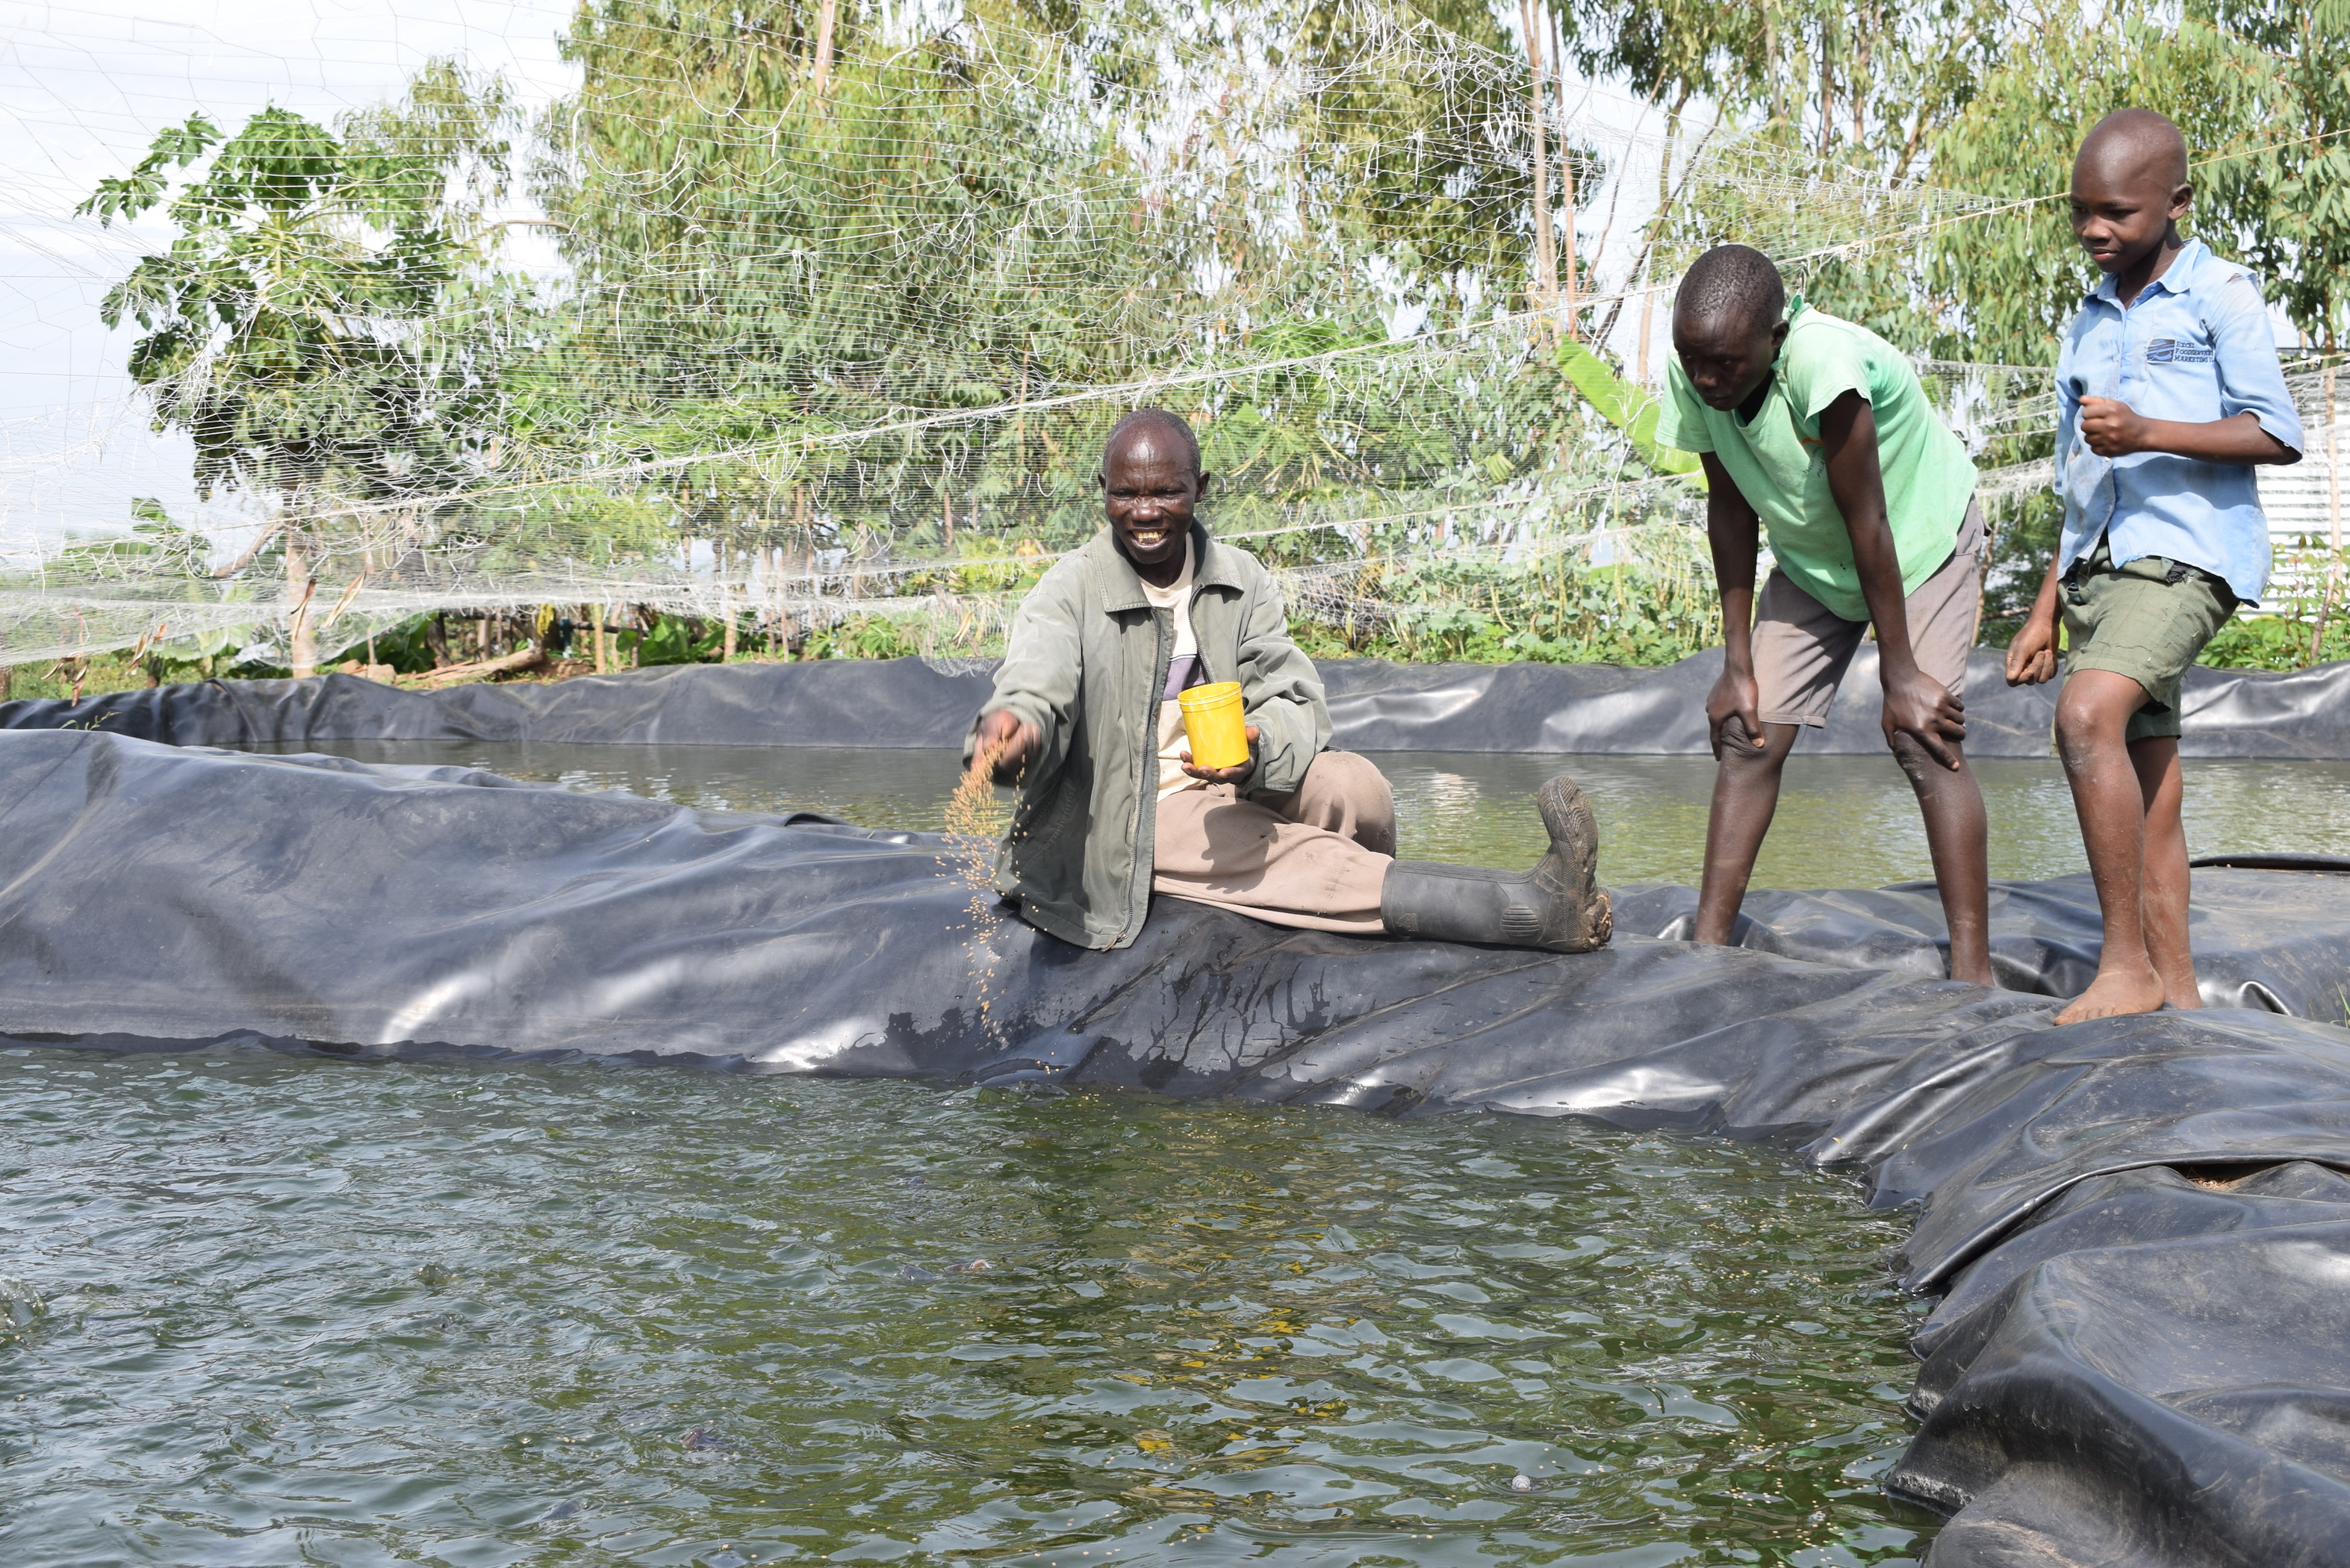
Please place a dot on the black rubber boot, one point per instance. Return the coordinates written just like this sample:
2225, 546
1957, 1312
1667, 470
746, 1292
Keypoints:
1558, 905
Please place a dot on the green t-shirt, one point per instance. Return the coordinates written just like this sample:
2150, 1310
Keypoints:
1782, 469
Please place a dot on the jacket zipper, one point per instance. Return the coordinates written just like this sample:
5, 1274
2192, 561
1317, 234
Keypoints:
1145, 776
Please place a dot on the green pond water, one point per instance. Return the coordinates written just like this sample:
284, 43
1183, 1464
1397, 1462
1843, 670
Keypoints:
262, 1310
1842, 822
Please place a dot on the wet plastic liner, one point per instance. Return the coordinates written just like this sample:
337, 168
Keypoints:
1376, 707
2142, 1225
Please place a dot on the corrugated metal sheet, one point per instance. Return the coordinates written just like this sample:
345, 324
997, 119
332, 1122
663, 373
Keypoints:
2308, 507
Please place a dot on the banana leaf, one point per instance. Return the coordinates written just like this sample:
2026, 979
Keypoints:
1630, 409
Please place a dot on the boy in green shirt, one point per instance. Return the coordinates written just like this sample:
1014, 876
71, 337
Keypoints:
1816, 432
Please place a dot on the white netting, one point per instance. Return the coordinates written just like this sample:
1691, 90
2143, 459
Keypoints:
840, 343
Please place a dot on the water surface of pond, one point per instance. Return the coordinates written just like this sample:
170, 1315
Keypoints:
1842, 822
299, 1311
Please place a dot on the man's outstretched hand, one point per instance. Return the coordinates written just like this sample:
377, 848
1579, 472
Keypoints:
1231, 775
1929, 713
2031, 657
1006, 744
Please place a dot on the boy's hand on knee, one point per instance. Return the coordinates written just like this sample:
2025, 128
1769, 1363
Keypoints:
1231, 775
2031, 657
1735, 695
1929, 713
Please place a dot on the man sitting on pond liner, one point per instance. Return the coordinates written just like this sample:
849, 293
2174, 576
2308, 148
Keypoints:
1085, 718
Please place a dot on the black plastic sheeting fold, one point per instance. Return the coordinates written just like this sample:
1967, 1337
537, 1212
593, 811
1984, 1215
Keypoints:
2139, 1223
1375, 705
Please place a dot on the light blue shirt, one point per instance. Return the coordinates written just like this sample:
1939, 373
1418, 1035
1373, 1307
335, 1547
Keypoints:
2195, 346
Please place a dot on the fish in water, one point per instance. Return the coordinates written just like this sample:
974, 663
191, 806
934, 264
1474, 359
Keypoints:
703, 1440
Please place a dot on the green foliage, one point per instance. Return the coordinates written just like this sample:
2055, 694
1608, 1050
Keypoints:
2295, 187
296, 328
405, 646
862, 637
785, 306
679, 639
154, 545
2276, 642
2262, 93
174, 147
1823, 93
1017, 205
2024, 531
1550, 610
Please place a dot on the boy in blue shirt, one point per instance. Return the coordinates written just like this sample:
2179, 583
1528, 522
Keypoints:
2169, 393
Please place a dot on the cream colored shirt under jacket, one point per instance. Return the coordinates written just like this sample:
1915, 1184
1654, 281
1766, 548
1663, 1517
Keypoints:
1181, 671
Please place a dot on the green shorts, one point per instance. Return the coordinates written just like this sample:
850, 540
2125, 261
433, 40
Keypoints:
2147, 620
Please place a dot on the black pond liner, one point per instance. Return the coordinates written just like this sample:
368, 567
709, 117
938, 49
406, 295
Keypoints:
2140, 1226
1376, 706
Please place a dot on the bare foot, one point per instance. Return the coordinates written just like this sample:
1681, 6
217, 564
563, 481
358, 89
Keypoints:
2179, 988
2116, 993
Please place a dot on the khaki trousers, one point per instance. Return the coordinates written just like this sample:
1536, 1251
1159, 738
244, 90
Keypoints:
1317, 857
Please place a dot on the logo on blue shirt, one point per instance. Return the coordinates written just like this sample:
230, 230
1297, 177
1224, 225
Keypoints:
2175, 351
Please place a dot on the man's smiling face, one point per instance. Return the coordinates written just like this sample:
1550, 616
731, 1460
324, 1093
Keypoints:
1151, 487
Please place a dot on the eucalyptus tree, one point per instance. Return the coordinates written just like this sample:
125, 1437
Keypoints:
2262, 90
971, 219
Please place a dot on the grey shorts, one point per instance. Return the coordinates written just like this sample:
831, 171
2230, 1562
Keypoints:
1801, 647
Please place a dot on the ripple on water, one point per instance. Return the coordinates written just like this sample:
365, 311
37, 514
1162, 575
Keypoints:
368, 1314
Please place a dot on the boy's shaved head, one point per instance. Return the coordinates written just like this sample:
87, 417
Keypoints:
2129, 191
1157, 423
1731, 285
2135, 143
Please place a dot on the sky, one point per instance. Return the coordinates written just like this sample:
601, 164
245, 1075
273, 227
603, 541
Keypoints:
82, 90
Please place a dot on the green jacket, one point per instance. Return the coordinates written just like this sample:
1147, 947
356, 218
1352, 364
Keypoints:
1086, 663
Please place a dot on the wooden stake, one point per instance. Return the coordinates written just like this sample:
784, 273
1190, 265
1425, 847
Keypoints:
726, 607
2333, 522
302, 644
1567, 180
1545, 242
1648, 317
821, 77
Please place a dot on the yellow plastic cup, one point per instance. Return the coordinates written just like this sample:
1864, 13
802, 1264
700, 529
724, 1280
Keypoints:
1213, 723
